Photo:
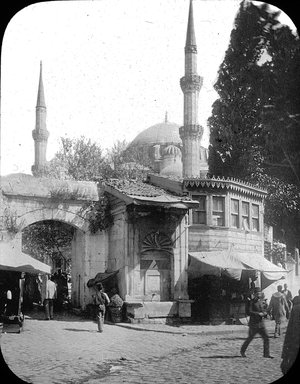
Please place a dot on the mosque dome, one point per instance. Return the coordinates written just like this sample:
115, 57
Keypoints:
172, 150
162, 134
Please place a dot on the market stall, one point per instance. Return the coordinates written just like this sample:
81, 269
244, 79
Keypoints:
13, 266
221, 283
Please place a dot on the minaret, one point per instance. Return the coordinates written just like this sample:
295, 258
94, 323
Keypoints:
191, 132
40, 134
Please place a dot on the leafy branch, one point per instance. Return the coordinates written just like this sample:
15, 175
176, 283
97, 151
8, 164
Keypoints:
99, 214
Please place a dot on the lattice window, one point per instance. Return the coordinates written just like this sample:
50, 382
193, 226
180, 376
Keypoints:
218, 210
199, 213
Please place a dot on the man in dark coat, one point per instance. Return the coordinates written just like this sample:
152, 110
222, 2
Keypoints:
291, 343
296, 299
257, 312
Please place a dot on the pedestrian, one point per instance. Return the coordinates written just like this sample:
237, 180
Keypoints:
291, 342
9, 303
278, 309
257, 324
100, 300
296, 299
288, 295
49, 298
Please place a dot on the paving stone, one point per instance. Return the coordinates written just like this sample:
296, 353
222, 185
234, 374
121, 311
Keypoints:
70, 350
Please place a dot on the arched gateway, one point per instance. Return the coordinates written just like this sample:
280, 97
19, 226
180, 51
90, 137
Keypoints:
26, 200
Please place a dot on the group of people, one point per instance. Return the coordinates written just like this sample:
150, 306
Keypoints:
281, 307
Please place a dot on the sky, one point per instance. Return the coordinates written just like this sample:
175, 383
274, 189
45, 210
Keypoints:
111, 69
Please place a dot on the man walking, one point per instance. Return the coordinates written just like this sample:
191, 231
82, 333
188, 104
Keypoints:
50, 296
291, 344
279, 309
257, 324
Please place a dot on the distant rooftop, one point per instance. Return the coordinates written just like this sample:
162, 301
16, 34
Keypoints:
21, 184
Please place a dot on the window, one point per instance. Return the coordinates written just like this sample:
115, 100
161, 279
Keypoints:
199, 213
245, 216
218, 211
235, 213
255, 217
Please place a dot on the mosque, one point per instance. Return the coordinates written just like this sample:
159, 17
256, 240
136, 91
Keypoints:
183, 243
162, 145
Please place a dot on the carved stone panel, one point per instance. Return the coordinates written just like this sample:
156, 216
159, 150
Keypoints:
155, 266
157, 241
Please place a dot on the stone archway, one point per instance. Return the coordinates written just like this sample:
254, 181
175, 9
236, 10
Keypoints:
89, 251
58, 244
27, 200
59, 213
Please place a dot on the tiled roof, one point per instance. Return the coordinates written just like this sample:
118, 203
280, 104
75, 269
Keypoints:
142, 193
137, 188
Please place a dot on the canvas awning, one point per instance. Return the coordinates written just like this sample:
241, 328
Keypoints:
219, 259
233, 263
212, 262
12, 259
101, 277
270, 270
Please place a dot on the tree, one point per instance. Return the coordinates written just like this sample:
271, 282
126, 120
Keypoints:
235, 121
126, 162
48, 240
83, 159
281, 114
78, 159
254, 126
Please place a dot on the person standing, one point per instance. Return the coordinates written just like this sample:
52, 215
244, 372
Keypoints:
278, 309
100, 300
49, 299
257, 324
296, 299
291, 342
9, 303
288, 295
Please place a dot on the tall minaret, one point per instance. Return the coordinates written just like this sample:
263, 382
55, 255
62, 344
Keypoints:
40, 134
191, 132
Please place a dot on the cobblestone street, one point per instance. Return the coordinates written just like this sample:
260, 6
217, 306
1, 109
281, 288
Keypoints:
70, 350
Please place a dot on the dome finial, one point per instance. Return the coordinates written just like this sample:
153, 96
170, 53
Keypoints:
166, 117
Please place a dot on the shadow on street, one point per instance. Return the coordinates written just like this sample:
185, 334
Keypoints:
80, 330
58, 316
221, 357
